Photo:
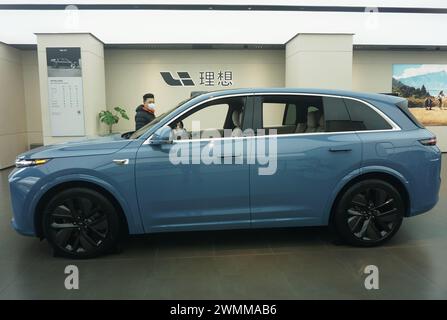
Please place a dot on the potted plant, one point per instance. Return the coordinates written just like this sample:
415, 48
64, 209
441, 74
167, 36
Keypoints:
110, 118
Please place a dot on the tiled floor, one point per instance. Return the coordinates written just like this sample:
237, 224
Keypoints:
278, 264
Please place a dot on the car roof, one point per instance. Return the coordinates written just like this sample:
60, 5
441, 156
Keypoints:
345, 93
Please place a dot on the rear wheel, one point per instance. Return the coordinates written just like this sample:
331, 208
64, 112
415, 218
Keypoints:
369, 213
80, 223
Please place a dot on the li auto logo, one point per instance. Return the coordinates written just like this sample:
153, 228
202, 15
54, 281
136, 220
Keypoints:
183, 79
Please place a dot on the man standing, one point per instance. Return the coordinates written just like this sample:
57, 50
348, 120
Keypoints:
428, 103
440, 98
145, 112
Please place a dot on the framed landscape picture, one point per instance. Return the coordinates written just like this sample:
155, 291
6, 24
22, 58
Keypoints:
425, 87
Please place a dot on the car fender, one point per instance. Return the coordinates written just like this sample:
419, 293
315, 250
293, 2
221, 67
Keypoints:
353, 175
131, 214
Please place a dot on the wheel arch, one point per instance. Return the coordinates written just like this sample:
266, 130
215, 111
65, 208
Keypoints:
379, 175
38, 214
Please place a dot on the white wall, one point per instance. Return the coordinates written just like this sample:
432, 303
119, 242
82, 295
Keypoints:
13, 132
131, 73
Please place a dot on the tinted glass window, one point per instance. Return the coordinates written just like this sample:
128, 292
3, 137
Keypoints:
336, 115
273, 114
364, 117
292, 114
211, 119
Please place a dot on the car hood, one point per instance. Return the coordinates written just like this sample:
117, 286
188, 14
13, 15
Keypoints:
84, 147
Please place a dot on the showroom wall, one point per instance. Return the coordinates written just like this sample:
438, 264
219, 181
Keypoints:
131, 73
13, 129
372, 71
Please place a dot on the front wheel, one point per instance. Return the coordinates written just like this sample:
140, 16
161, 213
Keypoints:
369, 213
80, 223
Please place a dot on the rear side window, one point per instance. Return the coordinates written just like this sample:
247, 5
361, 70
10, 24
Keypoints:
290, 115
364, 117
336, 115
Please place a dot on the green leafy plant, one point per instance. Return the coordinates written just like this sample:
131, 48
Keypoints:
110, 118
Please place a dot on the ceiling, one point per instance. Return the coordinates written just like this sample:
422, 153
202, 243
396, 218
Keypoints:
390, 23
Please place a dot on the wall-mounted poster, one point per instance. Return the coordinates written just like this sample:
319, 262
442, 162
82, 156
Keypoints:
425, 87
65, 97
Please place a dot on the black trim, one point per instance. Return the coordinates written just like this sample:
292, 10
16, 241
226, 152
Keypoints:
247, 116
204, 7
199, 46
400, 47
257, 113
230, 46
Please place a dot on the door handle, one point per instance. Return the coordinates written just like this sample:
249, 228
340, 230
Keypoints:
340, 149
121, 162
230, 155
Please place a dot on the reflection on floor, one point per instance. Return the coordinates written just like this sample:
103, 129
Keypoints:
256, 264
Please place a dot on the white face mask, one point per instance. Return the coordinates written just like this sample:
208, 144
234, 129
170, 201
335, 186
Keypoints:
151, 105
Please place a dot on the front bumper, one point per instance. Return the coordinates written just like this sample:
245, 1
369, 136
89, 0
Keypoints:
21, 231
24, 184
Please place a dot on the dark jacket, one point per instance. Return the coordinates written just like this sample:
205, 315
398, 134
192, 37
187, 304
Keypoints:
142, 117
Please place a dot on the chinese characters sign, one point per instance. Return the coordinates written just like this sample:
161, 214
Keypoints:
220, 78
210, 78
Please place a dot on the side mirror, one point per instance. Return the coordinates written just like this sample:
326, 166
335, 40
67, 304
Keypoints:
161, 136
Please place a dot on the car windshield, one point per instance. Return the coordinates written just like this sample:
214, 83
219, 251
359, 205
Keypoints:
144, 129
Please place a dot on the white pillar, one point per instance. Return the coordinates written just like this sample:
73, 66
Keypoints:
93, 79
13, 130
319, 61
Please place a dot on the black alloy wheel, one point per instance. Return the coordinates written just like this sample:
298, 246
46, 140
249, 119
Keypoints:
80, 223
369, 213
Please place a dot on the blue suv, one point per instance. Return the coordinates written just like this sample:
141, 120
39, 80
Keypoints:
245, 158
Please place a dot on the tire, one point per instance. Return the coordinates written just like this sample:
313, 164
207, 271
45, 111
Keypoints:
369, 213
81, 223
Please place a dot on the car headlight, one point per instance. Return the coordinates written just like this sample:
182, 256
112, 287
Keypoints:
21, 163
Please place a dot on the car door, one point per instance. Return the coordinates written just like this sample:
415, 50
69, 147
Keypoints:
310, 162
194, 194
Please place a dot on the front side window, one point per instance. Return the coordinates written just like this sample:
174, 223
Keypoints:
144, 129
214, 119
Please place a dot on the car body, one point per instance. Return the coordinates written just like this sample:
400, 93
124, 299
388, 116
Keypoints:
328, 144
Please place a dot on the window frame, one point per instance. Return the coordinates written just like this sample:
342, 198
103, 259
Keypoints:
253, 107
258, 113
247, 120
